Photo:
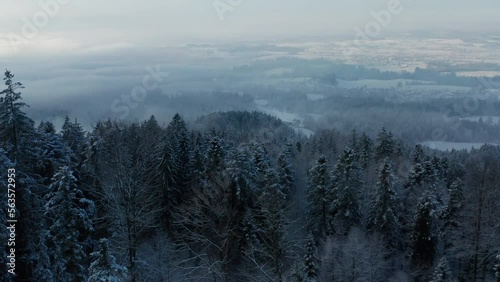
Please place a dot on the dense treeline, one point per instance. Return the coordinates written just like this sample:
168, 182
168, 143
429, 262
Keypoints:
238, 196
438, 74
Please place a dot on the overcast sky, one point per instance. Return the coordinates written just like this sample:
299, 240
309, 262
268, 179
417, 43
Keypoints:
111, 23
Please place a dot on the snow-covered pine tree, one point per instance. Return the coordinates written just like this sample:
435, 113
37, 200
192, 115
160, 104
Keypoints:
424, 237
215, 157
272, 224
385, 144
41, 258
311, 261
178, 140
353, 140
384, 207
13, 121
53, 153
74, 136
286, 173
418, 155
365, 150
104, 267
318, 197
442, 272
452, 212
345, 184
68, 213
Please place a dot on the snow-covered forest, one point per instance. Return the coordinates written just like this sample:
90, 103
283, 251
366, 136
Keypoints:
241, 196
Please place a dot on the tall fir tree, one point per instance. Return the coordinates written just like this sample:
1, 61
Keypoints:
318, 197
311, 261
424, 239
384, 208
14, 124
451, 215
365, 150
104, 267
346, 183
442, 272
385, 144
286, 173
70, 227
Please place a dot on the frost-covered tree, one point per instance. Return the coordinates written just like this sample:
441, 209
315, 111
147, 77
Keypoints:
207, 227
272, 225
442, 272
424, 239
311, 261
418, 155
215, 157
318, 197
384, 209
346, 183
497, 268
479, 232
73, 135
179, 156
104, 267
365, 150
286, 173
355, 257
452, 214
385, 144
68, 213
129, 198
14, 124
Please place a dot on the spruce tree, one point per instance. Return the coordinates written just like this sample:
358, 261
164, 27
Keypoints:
14, 124
442, 272
104, 267
286, 173
273, 223
69, 227
385, 144
74, 136
384, 207
365, 150
311, 261
451, 214
424, 237
345, 184
318, 197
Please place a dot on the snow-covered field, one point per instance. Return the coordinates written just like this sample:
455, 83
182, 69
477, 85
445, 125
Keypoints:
478, 73
393, 83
